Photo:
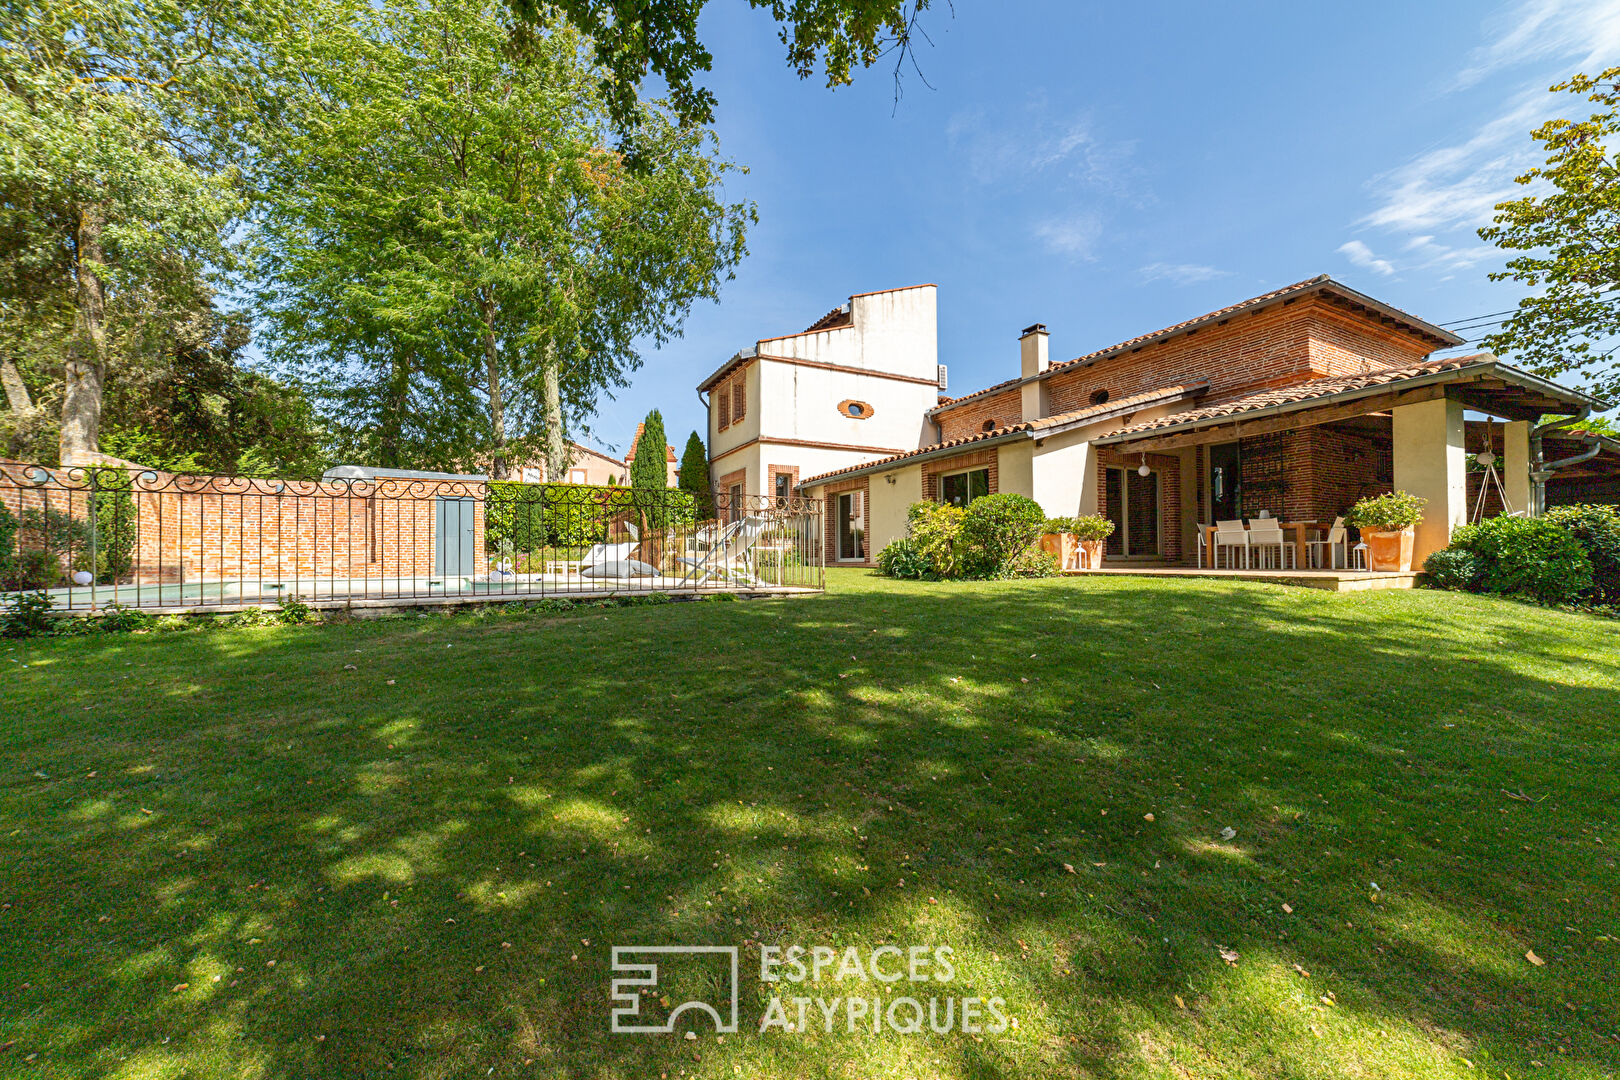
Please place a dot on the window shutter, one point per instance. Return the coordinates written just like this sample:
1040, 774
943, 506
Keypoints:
739, 398
725, 408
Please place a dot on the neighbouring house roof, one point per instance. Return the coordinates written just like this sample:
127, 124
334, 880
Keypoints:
1321, 283
1046, 425
669, 451
1529, 395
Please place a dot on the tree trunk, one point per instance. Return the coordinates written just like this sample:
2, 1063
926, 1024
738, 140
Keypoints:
556, 447
492, 364
390, 452
86, 366
16, 390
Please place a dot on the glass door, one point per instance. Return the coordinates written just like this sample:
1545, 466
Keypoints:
1225, 483
851, 527
1132, 504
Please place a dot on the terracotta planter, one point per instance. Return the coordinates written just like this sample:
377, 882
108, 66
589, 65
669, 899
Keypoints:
1063, 546
1389, 550
1091, 554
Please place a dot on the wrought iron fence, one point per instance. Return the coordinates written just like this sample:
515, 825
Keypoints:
93, 536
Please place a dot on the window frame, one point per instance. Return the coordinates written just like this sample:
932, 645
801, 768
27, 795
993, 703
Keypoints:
968, 473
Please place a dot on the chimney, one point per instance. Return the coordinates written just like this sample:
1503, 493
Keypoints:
1034, 360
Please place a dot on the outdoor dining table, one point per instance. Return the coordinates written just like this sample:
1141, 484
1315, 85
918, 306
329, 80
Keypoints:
1298, 528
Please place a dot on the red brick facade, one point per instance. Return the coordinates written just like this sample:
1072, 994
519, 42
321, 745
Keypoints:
1274, 346
201, 527
1168, 469
978, 459
862, 489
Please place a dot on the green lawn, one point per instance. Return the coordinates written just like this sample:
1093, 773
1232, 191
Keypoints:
233, 854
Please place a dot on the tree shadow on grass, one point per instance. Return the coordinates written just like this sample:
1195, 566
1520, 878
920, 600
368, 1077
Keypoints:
285, 867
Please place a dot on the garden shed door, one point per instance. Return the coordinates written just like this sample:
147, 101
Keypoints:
453, 537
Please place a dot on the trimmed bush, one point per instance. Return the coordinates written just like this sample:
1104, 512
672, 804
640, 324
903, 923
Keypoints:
1453, 568
995, 536
1531, 557
1597, 529
996, 531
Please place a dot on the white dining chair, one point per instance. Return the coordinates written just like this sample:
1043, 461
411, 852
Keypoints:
1234, 537
1203, 544
1336, 545
1266, 534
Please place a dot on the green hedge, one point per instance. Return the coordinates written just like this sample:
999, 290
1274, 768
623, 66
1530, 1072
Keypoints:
995, 536
534, 516
1516, 556
1597, 530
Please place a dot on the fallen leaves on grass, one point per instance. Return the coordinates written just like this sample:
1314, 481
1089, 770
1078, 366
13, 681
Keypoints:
1531, 956
1230, 956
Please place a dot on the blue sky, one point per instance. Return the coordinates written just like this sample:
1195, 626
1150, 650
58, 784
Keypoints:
1109, 169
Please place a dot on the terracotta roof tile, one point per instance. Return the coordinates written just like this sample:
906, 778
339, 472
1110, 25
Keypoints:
838, 316
1306, 391
1045, 423
1320, 281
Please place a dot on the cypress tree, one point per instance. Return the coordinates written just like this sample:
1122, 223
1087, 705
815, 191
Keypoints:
695, 476
650, 469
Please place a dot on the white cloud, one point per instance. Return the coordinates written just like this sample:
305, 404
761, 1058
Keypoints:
1019, 148
1454, 189
1181, 273
1075, 236
1361, 255
1540, 30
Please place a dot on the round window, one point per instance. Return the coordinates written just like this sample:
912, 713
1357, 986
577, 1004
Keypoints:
855, 410
1098, 397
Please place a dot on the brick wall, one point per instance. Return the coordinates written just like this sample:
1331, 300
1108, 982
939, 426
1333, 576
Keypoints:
1168, 467
998, 410
977, 459
773, 471
861, 487
193, 527
722, 494
1274, 347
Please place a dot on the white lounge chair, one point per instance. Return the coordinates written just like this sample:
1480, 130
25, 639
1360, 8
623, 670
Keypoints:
614, 561
726, 562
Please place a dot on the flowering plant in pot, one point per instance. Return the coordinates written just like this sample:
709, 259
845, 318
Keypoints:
1085, 535
1388, 524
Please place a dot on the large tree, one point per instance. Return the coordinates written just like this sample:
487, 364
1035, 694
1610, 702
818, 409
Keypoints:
117, 179
448, 225
1568, 231
632, 37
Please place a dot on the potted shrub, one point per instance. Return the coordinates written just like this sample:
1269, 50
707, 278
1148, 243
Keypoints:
1091, 530
1059, 539
1388, 524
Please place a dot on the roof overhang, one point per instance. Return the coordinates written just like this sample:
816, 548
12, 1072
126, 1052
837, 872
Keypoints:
1489, 386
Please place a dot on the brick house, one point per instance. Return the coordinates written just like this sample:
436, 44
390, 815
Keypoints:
1296, 402
585, 466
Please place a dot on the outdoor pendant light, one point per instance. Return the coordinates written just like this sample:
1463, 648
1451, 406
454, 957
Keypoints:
1142, 469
